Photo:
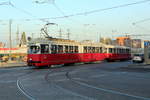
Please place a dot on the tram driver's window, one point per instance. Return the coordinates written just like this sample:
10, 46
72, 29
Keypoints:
44, 48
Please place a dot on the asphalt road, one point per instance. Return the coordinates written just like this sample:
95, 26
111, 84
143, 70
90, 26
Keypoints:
100, 81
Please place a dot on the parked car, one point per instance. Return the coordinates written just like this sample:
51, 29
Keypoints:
139, 58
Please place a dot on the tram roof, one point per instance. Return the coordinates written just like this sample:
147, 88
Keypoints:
70, 42
38, 40
116, 46
52, 40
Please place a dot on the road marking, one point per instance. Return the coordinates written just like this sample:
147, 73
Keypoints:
73, 93
58, 73
97, 76
7, 81
121, 73
60, 80
23, 90
111, 91
77, 78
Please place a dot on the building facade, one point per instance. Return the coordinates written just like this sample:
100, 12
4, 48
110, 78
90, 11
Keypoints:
123, 41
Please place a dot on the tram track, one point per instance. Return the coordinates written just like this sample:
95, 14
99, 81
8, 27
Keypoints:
67, 76
82, 83
20, 86
63, 89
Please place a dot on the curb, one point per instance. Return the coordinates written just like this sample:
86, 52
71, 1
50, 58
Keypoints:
12, 65
138, 66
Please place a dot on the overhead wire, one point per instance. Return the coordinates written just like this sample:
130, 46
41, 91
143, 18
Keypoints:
44, 1
92, 11
26, 12
4, 3
100, 10
143, 28
80, 13
76, 14
141, 21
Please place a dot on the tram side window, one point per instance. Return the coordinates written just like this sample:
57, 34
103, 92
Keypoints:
85, 50
110, 50
101, 50
124, 51
121, 50
54, 49
76, 49
70, 49
118, 50
89, 50
92, 49
60, 49
115, 50
105, 50
34, 49
128, 50
44, 48
66, 49
97, 50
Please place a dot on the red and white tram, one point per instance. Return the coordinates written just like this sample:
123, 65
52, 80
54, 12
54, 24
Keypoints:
52, 51
117, 53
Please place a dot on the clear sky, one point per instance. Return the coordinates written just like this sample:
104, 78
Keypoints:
109, 23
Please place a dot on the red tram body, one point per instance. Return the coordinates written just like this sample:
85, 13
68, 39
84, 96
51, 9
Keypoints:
47, 52
117, 53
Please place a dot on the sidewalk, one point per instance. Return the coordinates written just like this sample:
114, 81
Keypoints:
12, 64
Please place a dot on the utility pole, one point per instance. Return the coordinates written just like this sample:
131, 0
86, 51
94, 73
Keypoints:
10, 42
17, 36
68, 34
60, 33
99, 40
32, 35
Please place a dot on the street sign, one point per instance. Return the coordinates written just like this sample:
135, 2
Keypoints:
146, 43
